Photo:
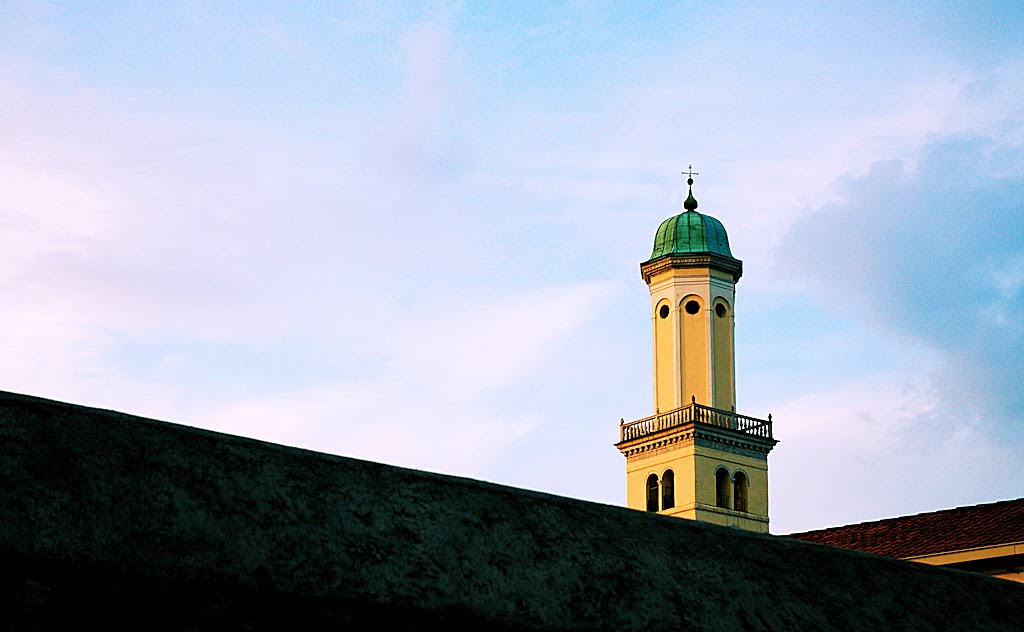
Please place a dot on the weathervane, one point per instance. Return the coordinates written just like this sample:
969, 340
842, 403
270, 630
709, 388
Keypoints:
691, 202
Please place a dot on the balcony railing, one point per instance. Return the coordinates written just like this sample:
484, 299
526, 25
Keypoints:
695, 413
739, 504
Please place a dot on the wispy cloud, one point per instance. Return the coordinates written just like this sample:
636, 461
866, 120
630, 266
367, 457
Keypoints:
430, 403
382, 230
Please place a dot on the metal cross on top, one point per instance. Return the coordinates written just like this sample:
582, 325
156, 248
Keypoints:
691, 202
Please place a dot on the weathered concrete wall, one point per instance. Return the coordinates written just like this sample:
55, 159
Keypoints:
113, 521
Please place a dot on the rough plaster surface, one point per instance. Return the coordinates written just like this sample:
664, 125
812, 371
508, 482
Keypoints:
113, 521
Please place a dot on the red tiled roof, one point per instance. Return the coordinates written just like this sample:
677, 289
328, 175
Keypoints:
927, 533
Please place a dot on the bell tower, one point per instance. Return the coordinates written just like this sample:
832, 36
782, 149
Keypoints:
696, 457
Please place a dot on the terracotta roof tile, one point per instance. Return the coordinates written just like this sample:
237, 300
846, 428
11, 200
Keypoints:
927, 533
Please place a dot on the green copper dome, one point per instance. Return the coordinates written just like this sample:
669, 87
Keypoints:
690, 232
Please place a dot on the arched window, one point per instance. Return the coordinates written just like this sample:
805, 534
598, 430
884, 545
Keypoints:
739, 495
652, 492
722, 485
668, 490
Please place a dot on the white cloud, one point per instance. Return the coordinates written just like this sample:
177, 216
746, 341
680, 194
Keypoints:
928, 253
887, 445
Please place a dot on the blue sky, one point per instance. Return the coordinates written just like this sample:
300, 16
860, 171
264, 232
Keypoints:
412, 233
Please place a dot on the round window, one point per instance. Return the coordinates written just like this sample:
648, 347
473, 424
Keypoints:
692, 307
720, 310
663, 312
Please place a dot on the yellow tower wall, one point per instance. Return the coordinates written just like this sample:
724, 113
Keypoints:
656, 462
664, 356
693, 349
708, 460
722, 358
694, 468
693, 356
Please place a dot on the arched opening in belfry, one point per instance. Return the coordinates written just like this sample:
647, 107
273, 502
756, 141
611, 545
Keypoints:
740, 488
668, 490
652, 492
723, 483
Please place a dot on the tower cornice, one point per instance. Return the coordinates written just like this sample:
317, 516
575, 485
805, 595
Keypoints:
729, 265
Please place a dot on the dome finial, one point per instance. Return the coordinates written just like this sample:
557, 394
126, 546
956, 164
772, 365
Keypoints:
691, 202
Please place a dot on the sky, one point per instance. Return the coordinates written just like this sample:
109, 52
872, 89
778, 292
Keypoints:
411, 233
